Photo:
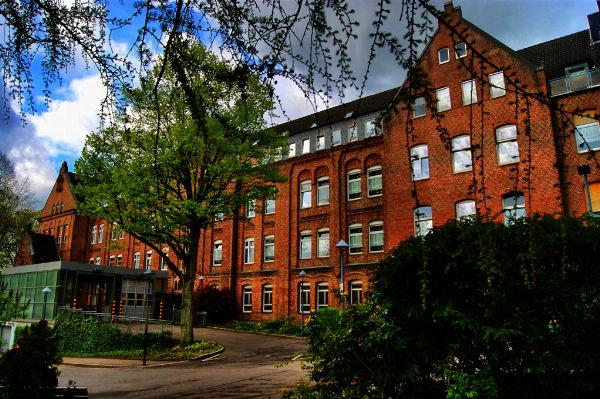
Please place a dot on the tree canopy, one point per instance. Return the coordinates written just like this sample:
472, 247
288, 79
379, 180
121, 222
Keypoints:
212, 154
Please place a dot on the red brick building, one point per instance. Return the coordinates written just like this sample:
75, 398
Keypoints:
374, 186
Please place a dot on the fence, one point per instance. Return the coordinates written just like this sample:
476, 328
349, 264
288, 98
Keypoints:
174, 315
132, 325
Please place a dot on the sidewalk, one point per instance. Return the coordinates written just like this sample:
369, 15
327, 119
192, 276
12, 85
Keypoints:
99, 362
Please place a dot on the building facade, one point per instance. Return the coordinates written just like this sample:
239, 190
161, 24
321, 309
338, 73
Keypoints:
499, 132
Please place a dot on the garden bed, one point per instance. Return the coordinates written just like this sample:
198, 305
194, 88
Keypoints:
175, 353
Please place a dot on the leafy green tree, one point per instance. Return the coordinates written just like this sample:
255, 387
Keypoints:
181, 155
517, 321
16, 200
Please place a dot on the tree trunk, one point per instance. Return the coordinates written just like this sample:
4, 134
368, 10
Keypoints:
187, 312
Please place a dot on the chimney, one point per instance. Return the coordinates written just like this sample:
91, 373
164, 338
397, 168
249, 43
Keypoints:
448, 6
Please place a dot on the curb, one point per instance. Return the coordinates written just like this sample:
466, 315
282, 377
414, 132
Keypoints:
253, 332
112, 366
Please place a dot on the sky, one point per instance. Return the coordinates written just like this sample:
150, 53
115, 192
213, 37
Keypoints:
57, 133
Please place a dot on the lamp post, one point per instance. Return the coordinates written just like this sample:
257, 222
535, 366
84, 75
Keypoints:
201, 278
148, 273
585, 170
45, 291
302, 274
341, 245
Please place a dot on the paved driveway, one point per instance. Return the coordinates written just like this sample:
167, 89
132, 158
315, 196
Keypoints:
246, 369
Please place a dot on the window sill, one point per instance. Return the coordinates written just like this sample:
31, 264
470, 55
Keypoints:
444, 110
268, 261
462, 171
493, 98
354, 199
305, 207
323, 204
270, 213
375, 196
509, 163
376, 252
356, 253
420, 116
469, 104
424, 178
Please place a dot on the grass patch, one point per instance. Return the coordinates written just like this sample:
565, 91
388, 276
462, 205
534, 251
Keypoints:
175, 353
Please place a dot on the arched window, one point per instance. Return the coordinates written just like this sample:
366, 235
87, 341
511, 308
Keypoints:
59, 238
323, 190
269, 250
62, 205
423, 221
304, 297
322, 295
148, 259
355, 291
111, 260
100, 233
119, 260
267, 296
249, 250
323, 243
305, 191
247, 299
305, 244
94, 230
376, 236
98, 260
355, 238
52, 213
354, 184
374, 182
163, 264
217, 253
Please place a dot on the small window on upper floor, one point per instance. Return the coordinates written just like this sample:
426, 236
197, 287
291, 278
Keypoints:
355, 239
443, 99
461, 154
269, 206
323, 243
94, 230
370, 128
249, 250
100, 233
136, 260
352, 133
217, 253
587, 133
111, 260
420, 162
323, 190
119, 260
423, 221
164, 265
305, 146
53, 206
461, 50
98, 260
497, 84
469, 92
376, 236
292, 152
320, 142
507, 145
354, 184
250, 209
374, 182
269, 248
305, 191
62, 206
443, 55
336, 137
419, 108
305, 244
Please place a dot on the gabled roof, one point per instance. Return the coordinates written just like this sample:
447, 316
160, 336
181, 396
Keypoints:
359, 107
555, 54
73, 181
43, 248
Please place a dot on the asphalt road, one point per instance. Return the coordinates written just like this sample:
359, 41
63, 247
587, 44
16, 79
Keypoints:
246, 369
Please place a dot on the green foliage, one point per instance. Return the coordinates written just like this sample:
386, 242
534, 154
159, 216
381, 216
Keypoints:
175, 353
79, 335
529, 332
31, 363
279, 325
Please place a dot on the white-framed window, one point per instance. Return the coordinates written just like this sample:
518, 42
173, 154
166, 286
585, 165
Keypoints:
113, 232
136, 260
507, 146
587, 133
423, 221
305, 191
354, 184
355, 291
336, 137
267, 298
304, 297
163, 264
269, 206
94, 232
52, 213
461, 50
374, 182
497, 88
251, 209
443, 55
100, 233
355, 238
269, 244
594, 197
370, 128
119, 260
443, 99
62, 206
292, 152
59, 238
461, 154
352, 133
376, 236
469, 92
322, 295
91, 261
323, 190
513, 206
305, 146
466, 209
420, 162
305, 244
247, 299
98, 260
577, 77
249, 250
323, 243
66, 234
121, 234
148, 259
419, 108
320, 142
218, 216
111, 260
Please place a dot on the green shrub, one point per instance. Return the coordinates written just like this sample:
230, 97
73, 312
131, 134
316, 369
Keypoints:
473, 309
80, 335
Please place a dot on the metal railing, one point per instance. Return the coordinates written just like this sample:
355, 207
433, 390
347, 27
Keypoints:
575, 82
127, 324
174, 315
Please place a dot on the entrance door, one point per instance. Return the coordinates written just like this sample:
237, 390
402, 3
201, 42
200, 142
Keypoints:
133, 294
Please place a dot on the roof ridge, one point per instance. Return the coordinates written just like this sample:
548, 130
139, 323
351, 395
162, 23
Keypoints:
553, 40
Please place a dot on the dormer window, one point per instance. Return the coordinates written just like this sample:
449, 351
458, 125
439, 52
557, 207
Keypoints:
577, 77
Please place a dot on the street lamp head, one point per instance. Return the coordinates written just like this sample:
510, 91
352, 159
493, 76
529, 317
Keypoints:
302, 273
584, 169
149, 273
46, 290
201, 278
342, 244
